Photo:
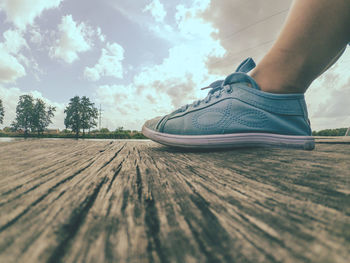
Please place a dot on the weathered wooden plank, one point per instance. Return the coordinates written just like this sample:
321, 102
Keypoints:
91, 201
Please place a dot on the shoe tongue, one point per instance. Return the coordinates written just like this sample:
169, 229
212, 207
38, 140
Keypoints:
240, 75
246, 66
216, 84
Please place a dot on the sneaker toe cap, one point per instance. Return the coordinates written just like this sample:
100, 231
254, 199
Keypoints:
152, 124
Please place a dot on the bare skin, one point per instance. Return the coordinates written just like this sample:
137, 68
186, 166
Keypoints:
314, 36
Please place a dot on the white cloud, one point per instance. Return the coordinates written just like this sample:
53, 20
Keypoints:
181, 75
23, 12
189, 22
9, 99
73, 39
100, 36
14, 41
328, 97
176, 77
244, 29
158, 89
10, 67
122, 106
157, 10
337, 105
36, 36
109, 64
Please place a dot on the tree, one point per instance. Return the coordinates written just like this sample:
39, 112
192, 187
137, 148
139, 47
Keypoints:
330, 132
2, 112
73, 115
42, 115
24, 114
104, 130
32, 116
89, 114
80, 114
8, 129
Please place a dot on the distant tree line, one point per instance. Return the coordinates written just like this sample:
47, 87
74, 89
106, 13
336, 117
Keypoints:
34, 116
330, 132
2, 112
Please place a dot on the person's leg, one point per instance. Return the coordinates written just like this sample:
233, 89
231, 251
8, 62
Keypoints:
335, 59
314, 36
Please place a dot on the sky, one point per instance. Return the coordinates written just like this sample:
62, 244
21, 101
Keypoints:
145, 58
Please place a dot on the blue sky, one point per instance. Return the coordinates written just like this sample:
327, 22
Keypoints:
140, 59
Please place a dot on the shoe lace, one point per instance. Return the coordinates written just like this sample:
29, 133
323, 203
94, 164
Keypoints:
216, 90
220, 86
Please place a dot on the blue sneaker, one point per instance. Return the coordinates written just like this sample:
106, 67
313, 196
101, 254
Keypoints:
236, 113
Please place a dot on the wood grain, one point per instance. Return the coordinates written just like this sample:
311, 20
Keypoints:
117, 201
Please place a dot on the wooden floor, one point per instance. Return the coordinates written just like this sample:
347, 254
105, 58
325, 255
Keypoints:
115, 201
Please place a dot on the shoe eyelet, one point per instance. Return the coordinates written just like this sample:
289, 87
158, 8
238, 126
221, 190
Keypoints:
229, 89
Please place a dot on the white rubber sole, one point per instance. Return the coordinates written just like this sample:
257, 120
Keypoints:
235, 140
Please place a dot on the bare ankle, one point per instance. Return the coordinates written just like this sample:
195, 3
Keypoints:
274, 84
